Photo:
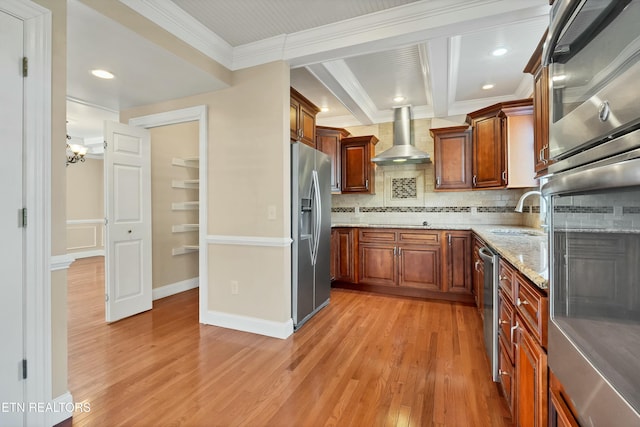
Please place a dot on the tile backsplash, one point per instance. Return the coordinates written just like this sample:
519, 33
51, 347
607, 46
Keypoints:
405, 193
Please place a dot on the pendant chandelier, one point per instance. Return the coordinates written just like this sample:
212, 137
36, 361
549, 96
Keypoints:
75, 153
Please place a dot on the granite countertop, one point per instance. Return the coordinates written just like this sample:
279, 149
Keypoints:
523, 247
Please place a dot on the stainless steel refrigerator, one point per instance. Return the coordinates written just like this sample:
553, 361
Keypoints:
310, 231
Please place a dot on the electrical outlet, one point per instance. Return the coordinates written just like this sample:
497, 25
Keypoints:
234, 287
271, 212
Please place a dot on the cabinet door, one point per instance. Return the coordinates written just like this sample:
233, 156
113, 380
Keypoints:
419, 267
377, 264
344, 269
293, 118
330, 145
458, 262
506, 372
307, 125
478, 275
531, 380
541, 120
488, 153
452, 160
355, 167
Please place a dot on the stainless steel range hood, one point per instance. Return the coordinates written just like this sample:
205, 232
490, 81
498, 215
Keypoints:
403, 150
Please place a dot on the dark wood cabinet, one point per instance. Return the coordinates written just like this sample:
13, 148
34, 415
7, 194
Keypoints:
342, 254
357, 169
477, 281
503, 145
329, 140
419, 266
530, 379
540, 109
522, 331
452, 158
561, 411
302, 119
457, 265
378, 264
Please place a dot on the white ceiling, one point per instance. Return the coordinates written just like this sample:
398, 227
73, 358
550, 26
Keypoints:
350, 56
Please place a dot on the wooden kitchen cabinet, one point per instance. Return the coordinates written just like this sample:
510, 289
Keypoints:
357, 169
561, 411
457, 265
522, 331
477, 283
419, 266
302, 119
503, 145
452, 158
378, 264
343, 254
329, 141
540, 109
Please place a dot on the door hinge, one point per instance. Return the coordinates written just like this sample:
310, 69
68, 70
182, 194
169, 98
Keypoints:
24, 369
106, 221
104, 144
106, 297
22, 218
25, 66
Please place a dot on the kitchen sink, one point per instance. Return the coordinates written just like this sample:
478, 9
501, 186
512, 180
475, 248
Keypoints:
517, 232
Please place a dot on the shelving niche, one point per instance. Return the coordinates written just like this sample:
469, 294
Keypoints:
191, 205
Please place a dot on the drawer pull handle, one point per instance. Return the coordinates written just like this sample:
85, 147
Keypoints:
478, 265
513, 329
503, 322
522, 302
504, 373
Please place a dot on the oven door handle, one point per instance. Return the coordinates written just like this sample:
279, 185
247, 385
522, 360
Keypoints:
625, 173
485, 254
561, 14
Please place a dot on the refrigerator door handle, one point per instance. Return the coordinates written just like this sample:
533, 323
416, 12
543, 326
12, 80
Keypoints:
318, 217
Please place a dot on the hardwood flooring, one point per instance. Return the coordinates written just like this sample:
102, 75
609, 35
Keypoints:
365, 360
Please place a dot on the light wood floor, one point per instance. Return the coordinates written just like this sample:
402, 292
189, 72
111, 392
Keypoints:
365, 360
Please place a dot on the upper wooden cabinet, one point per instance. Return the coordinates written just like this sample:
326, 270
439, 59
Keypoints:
358, 171
503, 145
540, 109
302, 119
452, 159
329, 140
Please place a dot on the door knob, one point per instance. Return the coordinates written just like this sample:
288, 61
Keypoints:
129, 231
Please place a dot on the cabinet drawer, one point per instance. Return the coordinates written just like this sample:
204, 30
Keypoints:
506, 278
419, 237
378, 236
533, 308
506, 321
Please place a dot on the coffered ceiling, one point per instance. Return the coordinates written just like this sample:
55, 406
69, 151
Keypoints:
350, 56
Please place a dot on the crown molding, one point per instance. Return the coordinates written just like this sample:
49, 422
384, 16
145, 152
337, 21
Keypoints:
525, 88
176, 21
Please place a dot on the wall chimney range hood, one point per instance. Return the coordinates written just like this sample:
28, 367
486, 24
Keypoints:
403, 151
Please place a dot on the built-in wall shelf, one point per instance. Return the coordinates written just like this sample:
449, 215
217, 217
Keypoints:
186, 249
185, 183
186, 162
185, 206
182, 228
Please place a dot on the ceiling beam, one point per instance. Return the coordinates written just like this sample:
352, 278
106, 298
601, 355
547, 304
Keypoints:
437, 52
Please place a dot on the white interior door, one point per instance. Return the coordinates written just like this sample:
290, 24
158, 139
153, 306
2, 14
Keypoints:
12, 246
128, 231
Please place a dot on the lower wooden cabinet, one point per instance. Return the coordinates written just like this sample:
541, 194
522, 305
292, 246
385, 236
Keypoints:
560, 410
477, 274
419, 263
342, 254
522, 312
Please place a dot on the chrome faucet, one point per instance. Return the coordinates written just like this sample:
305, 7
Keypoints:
527, 194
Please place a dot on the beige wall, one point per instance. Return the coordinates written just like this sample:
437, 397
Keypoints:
58, 192
248, 166
167, 142
85, 202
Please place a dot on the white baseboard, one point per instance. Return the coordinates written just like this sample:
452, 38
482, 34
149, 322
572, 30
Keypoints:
87, 254
254, 325
174, 288
62, 408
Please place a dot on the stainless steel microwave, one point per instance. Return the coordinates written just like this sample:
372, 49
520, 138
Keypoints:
592, 50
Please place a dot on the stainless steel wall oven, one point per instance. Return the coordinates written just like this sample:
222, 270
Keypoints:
593, 194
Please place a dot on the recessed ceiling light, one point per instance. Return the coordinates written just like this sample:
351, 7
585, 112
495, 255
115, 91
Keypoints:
559, 77
103, 74
324, 109
487, 87
399, 98
499, 51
